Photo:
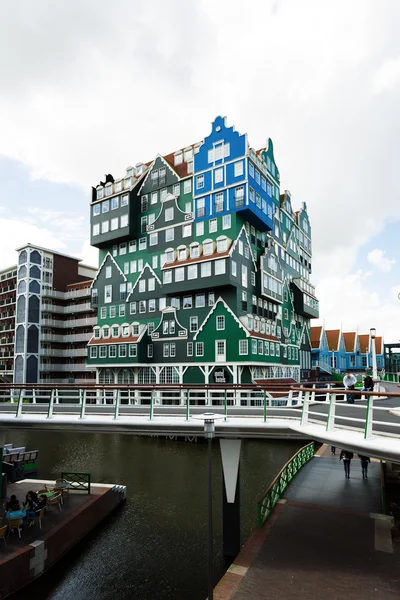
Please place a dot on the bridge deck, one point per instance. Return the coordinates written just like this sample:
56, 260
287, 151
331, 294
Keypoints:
321, 542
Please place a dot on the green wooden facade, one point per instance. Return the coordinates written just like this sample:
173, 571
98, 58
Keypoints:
193, 299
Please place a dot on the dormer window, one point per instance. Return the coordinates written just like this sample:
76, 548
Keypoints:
106, 332
222, 244
135, 328
100, 193
169, 256
208, 247
115, 331
139, 169
125, 330
190, 167
178, 158
108, 189
195, 251
118, 186
188, 154
127, 183
96, 333
129, 172
182, 253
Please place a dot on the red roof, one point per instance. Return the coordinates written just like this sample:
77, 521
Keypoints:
332, 337
119, 340
264, 336
350, 341
315, 336
364, 343
199, 259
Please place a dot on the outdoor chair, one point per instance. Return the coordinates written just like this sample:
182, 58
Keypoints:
55, 500
62, 486
39, 515
3, 533
14, 524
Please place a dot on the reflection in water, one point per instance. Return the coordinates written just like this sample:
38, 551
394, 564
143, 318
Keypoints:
155, 547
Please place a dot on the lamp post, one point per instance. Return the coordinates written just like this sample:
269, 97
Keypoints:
209, 419
367, 355
373, 348
333, 359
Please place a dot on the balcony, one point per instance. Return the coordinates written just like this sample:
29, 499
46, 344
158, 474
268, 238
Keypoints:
85, 322
305, 302
68, 380
55, 308
50, 337
76, 337
53, 294
70, 309
61, 352
8, 315
86, 292
59, 367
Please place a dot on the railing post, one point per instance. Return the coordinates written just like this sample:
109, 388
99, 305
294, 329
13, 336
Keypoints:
369, 417
116, 407
56, 399
225, 406
19, 404
299, 398
82, 394
51, 402
330, 424
313, 393
306, 405
187, 405
151, 403
34, 396
290, 398
265, 405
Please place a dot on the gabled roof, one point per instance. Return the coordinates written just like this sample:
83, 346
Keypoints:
151, 165
146, 266
102, 265
333, 339
236, 241
379, 345
316, 333
350, 340
229, 311
364, 343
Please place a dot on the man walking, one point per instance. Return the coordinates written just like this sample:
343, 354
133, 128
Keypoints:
346, 456
365, 460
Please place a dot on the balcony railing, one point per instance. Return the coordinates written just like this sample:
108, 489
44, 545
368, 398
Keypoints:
70, 309
77, 337
59, 367
67, 324
61, 352
86, 292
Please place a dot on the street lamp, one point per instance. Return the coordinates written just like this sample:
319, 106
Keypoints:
373, 348
209, 419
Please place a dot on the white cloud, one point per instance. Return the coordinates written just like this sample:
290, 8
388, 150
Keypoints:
377, 258
18, 233
387, 76
89, 255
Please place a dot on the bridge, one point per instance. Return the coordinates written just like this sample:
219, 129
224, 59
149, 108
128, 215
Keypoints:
370, 426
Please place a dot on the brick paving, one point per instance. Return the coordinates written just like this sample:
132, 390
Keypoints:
319, 542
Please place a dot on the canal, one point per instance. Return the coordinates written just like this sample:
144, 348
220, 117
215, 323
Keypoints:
155, 546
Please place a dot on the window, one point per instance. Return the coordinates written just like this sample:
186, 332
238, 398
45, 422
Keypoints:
93, 352
169, 235
154, 178
140, 264
107, 294
176, 189
195, 251
133, 266
149, 350
220, 267
122, 249
114, 223
200, 300
115, 203
219, 202
286, 314
251, 194
132, 246
243, 347
222, 244
165, 350
193, 324
152, 305
234, 268
211, 299
189, 348
182, 254
132, 350
105, 226
112, 351
253, 278
206, 269
122, 291
200, 228
178, 158
96, 210
142, 244
187, 186
240, 247
153, 239
218, 175
108, 272
125, 200
199, 349
226, 222
180, 274
100, 193
176, 303
115, 331
142, 285
186, 230
239, 171
151, 284
220, 323
208, 248
251, 169
113, 312
150, 327
154, 197
135, 329
105, 206
187, 302
161, 174
103, 312
188, 207
103, 352
121, 310
115, 251
172, 350
167, 276
212, 225
220, 350
169, 213
244, 276
122, 351
200, 182
154, 262
124, 220
96, 333
142, 306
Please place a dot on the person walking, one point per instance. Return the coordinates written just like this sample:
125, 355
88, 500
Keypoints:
346, 456
365, 460
349, 381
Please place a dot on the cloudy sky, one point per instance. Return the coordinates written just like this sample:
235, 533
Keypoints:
89, 87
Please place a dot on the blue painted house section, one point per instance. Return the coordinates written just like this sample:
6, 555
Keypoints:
229, 177
333, 350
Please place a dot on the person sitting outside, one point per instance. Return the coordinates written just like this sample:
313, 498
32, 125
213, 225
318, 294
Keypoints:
42, 503
12, 504
31, 501
15, 513
349, 381
368, 384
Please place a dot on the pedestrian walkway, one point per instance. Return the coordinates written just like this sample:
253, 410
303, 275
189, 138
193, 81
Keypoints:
325, 539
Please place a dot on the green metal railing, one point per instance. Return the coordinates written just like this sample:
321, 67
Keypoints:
267, 503
77, 481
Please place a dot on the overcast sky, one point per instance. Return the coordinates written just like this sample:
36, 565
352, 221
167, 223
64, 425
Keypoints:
90, 87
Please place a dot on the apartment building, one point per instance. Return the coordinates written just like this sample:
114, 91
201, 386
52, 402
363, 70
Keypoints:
48, 318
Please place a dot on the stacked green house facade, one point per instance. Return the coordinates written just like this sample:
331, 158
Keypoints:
204, 269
